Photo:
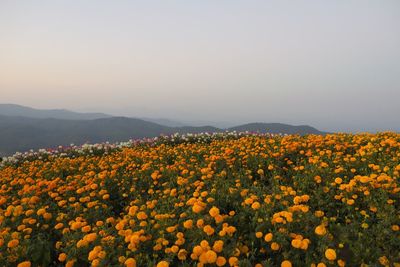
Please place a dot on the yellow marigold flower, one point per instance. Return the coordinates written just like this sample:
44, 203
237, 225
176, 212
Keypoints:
286, 263
259, 234
330, 254
268, 237
24, 264
321, 264
395, 228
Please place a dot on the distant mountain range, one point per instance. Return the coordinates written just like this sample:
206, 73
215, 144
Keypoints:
23, 128
18, 110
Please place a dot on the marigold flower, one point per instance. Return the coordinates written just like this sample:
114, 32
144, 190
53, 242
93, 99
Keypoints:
330, 254
13, 243
24, 264
268, 237
275, 246
141, 215
218, 246
320, 230
286, 263
233, 261
214, 211
211, 256
163, 264
221, 261
62, 257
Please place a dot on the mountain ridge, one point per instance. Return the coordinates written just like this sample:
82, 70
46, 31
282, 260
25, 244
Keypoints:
21, 133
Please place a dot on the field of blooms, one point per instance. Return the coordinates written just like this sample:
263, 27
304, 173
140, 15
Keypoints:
205, 200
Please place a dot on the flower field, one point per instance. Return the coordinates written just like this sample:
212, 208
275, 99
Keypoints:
206, 200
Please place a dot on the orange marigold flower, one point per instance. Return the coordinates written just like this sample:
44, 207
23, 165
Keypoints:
24, 264
268, 237
62, 257
211, 256
330, 254
286, 263
320, 230
13, 243
214, 211
218, 246
221, 261
163, 264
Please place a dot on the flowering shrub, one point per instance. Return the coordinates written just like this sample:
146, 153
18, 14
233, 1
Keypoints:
232, 199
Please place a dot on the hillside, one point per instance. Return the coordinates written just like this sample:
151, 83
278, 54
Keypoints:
24, 128
22, 133
212, 201
276, 128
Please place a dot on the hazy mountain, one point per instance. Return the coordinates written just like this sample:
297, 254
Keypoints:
18, 110
22, 133
166, 122
276, 128
24, 128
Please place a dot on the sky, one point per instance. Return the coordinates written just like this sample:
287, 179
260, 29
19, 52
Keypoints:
334, 65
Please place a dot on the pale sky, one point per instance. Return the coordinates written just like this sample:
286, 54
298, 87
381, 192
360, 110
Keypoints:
334, 65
